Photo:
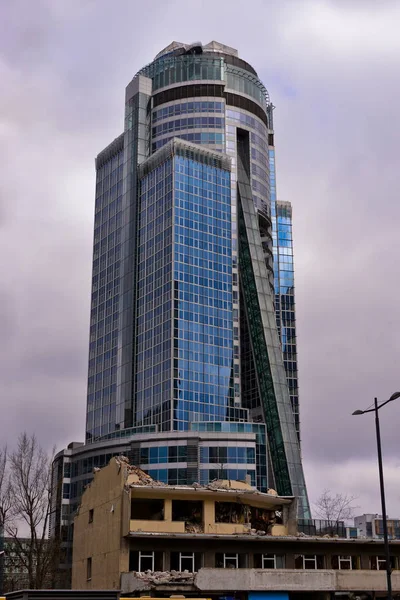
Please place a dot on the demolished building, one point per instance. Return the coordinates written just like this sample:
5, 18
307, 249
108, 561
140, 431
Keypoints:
141, 536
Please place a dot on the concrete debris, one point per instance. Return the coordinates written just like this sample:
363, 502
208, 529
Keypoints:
214, 485
194, 527
229, 484
302, 534
166, 577
138, 477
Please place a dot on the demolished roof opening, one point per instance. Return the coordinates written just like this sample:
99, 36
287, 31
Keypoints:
231, 512
259, 519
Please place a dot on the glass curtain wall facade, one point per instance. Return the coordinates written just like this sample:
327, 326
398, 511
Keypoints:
105, 299
184, 346
281, 216
196, 268
285, 301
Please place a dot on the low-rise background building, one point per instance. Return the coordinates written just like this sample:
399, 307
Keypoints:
371, 526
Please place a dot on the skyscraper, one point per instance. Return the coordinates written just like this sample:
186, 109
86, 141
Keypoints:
192, 314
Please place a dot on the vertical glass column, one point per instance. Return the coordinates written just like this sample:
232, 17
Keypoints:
281, 217
153, 366
104, 315
138, 94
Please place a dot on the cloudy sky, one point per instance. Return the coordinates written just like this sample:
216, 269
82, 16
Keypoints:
332, 70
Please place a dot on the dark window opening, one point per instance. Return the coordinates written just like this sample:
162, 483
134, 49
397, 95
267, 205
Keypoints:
64, 533
177, 454
189, 511
145, 560
89, 569
147, 510
91, 513
243, 148
218, 455
186, 561
270, 139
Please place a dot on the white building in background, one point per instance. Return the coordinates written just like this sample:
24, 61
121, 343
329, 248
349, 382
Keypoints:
371, 526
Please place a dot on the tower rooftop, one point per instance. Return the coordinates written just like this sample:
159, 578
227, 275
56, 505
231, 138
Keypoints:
213, 46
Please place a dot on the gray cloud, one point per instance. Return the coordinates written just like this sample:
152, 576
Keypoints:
331, 69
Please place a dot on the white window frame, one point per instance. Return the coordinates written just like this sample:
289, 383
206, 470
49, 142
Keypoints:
269, 557
380, 561
309, 558
145, 555
185, 556
234, 557
345, 559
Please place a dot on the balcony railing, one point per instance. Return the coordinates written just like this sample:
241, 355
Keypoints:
320, 527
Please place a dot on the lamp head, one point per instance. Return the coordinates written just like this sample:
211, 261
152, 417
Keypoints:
358, 412
395, 396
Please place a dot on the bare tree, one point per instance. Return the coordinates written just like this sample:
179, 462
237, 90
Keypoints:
338, 507
30, 491
5, 508
5, 489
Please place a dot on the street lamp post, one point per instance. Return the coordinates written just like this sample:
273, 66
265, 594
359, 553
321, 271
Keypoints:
381, 485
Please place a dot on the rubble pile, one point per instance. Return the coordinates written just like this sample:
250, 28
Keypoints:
139, 476
194, 527
225, 484
166, 577
142, 478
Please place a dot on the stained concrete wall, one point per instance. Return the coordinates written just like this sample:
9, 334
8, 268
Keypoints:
291, 580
